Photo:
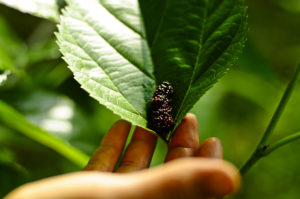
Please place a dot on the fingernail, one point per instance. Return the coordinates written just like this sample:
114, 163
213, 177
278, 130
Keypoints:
193, 122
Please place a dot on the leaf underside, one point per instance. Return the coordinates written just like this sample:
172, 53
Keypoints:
109, 58
119, 50
48, 9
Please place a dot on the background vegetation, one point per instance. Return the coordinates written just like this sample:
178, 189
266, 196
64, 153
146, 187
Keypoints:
40, 87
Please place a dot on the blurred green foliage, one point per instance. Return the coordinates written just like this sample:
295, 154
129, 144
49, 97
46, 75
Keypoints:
36, 82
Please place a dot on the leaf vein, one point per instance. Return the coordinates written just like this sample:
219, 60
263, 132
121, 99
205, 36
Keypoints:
103, 70
160, 24
107, 41
123, 22
196, 63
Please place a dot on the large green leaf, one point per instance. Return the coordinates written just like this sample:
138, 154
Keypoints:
109, 56
119, 49
48, 9
193, 43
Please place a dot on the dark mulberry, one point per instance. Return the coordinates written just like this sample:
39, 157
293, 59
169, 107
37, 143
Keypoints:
161, 120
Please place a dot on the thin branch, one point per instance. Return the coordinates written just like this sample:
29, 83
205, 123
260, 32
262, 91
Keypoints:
286, 96
15, 120
282, 142
262, 146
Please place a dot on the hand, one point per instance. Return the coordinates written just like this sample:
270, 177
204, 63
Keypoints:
192, 171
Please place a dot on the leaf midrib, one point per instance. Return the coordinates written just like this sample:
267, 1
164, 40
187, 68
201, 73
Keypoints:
120, 53
123, 22
160, 24
196, 63
197, 60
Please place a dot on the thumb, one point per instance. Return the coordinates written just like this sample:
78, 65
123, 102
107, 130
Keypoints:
190, 178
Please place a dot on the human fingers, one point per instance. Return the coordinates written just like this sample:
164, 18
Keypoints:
183, 178
139, 152
111, 147
185, 140
79, 185
210, 148
199, 178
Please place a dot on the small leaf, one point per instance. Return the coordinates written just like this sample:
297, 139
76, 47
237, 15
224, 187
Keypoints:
9, 39
6, 66
48, 9
12, 174
11, 53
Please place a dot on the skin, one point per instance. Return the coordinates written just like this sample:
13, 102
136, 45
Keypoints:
192, 170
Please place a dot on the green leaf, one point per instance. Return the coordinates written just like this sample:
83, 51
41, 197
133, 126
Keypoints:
119, 49
48, 9
11, 51
109, 55
5, 62
6, 66
193, 43
12, 173
9, 39
12, 118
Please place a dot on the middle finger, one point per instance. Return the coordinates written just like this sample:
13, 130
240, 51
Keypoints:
185, 140
139, 152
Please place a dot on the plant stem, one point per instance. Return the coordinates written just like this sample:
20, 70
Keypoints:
281, 106
282, 142
13, 119
263, 146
